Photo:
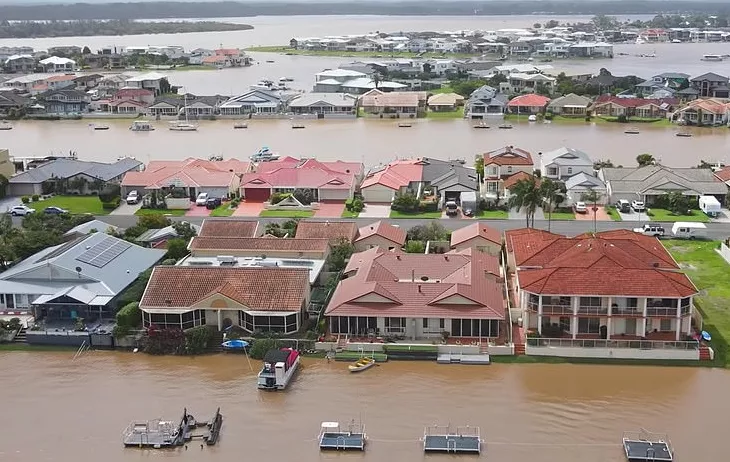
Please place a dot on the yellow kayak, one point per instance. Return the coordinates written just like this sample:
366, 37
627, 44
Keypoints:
361, 364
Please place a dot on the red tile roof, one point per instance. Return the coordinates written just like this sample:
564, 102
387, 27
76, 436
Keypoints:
529, 100
508, 155
391, 99
723, 174
311, 178
474, 231
385, 230
615, 263
133, 92
330, 230
397, 284
262, 244
259, 289
708, 105
513, 179
188, 173
396, 174
228, 228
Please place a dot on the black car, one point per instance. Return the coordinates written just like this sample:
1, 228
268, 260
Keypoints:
54, 211
213, 203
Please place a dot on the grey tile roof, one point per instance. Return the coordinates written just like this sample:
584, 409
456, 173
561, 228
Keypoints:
444, 174
584, 180
566, 156
658, 179
332, 99
66, 168
711, 76
85, 228
570, 99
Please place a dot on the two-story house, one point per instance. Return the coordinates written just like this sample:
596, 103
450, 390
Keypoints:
672, 81
22, 64
150, 81
64, 101
485, 101
501, 164
56, 64
563, 163
711, 85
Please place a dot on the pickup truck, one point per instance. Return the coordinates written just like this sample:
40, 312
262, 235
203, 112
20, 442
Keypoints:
651, 229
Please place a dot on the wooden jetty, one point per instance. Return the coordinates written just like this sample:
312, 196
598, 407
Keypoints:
462, 440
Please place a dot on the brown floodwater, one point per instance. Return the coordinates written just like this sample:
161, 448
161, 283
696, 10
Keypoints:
57, 409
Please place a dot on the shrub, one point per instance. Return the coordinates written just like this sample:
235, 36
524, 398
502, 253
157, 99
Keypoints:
428, 206
548, 116
109, 192
415, 247
111, 205
164, 341
348, 204
130, 315
405, 203
25, 199
198, 339
357, 205
235, 202
622, 118
36, 197
278, 197
262, 345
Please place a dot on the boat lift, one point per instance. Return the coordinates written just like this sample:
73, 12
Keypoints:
459, 441
643, 446
332, 438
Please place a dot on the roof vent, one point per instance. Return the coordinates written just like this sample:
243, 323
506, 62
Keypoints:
424, 278
446, 257
419, 288
655, 265
397, 257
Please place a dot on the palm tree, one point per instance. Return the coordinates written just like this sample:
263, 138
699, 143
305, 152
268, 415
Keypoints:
526, 195
591, 196
549, 190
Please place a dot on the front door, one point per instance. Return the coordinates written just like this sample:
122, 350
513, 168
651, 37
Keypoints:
630, 327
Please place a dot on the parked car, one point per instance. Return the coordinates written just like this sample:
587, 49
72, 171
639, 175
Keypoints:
133, 197
651, 229
54, 211
213, 203
452, 209
21, 210
638, 206
202, 199
623, 206
580, 207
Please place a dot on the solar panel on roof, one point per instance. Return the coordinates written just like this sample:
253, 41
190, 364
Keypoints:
103, 252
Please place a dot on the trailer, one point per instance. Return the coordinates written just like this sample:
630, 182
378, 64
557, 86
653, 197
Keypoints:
469, 203
710, 205
689, 230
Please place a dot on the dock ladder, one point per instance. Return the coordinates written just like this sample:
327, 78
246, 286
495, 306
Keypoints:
82, 349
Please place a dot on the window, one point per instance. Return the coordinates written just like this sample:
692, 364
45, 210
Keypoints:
632, 302
442, 323
665, 325
9, 301
590, 301
589, 325
509, 169
425, 323
564, 323
570, 170
552, 171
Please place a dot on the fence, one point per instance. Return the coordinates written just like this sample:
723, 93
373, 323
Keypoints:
632, 344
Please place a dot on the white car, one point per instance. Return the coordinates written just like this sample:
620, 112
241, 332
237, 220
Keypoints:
202, 199
638, 206
580, 207
21, 210
133, 197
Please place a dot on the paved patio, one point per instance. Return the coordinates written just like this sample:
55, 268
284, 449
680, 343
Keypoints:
329, 209
249, 209
375, 211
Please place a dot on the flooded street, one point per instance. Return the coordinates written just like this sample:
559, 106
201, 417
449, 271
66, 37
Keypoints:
57, 409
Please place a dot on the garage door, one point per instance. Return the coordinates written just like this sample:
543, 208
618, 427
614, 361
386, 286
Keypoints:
378, 194
256, 194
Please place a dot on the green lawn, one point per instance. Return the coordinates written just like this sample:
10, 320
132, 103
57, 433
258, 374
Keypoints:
444, 89
348, 214
711, 275
286, 213
369, 54
397, 214
493, 214
172, 213
457, 114
561, 216
74, 204
613, 213
223, 210
667, 216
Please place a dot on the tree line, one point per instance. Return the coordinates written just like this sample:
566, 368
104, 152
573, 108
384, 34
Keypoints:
85, 28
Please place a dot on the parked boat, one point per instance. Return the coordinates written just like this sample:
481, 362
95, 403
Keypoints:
5, 125
264, 155
269, 85
684, 134
286, 79
183, 127
240, 125
404, 125
278, 369
632, 131
235, 345
99, 126
141, 126
481, 125
712, 58
706, 336
505, 126
361, 364
532, 118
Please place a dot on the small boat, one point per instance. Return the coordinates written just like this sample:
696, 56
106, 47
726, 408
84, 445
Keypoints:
712, 58
286, 79
141, 126
361, 364
183, 127
298, 126
481, 125
100, 127
235, 344
632, 131
683, 135
264, 155
706, 336
405, 125
532, 118
505, 126
676, 41
240, 125
269, 60
5, 125
278, 369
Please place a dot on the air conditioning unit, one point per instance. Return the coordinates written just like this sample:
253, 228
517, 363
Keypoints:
226, 259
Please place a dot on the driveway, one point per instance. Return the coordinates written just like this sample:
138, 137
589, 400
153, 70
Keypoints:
634, 216
8, 203
600, 213
723, 217
196, 211
514, 214
126, 209
249, 209
329, 209
375, 211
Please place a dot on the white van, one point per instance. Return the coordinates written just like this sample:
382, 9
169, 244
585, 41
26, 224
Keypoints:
689, 230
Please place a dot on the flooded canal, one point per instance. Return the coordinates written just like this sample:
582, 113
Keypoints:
60, 410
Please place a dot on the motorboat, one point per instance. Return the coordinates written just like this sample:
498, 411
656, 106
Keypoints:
298, 126
278, 369
532, 118
505, 126
482, 125
683, 135
632, 131
676, 41
269, 85
264, 155
286, 79
712, 58
361, 364
99, 127
183, 127
5, 125
234, 345
405, 125
141, 126
240, 125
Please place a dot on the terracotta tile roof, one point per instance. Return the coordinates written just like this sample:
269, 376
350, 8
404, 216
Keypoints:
258, 289
331, 230
60, 78
474, 231
530, 100
508, 155
188, 173
513, 179
262, 244
708, 105
133, 92
228, 228
391, 99
397, 284
385, 230
723, 174
615, 263
396, 174
309, 178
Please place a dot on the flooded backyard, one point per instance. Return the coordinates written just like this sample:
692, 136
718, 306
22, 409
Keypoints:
57, 409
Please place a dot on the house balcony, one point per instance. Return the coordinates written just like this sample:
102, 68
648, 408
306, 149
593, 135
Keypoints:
593, 310
557, 310
627, 312
663, 312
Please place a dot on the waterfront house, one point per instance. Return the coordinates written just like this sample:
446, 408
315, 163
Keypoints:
445, 102
485, 101
520, 82
134, 94
703, 112
528, 104
615, 285
477, 236
228, 228
64, 102
77, 279
307, 248
217, 178
324, 104
257, 299
255, 102
380, 234
9, 101
376, 103
614, 106
350, 81
20, 63
334, 231
711, 85
127, 101
672, 81
501, 164
570, 105
563, 163
56, 64
653, 181
203, 106
33, 180
54, 82
418, 296
86, 82
169, 106
590, 50
149, 81
383, 182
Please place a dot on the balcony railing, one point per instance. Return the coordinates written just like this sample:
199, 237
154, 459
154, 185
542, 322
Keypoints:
533, 306
395, 330
634, 344
592, 310
662, 311
619, 311
557, 309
